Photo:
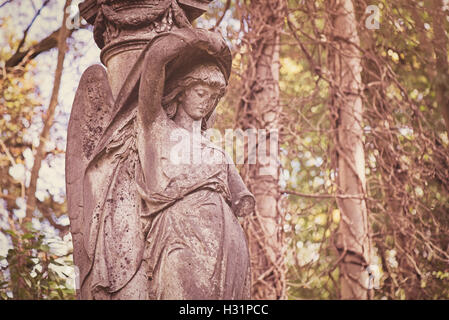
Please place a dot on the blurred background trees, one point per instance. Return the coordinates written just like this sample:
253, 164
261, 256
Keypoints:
35, 246
356, 88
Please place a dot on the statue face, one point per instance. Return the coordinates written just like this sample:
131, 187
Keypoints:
199, 99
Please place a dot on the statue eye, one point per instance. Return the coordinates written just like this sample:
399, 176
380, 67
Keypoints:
200, 92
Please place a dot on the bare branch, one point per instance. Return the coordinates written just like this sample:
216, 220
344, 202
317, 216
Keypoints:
48, 121
25, 33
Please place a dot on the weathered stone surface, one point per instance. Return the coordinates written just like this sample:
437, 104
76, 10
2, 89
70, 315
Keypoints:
115, 20
145, 225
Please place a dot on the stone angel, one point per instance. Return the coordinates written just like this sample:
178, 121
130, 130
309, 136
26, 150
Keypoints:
145, 226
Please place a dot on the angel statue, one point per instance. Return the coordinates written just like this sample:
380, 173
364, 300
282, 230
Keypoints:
145, 226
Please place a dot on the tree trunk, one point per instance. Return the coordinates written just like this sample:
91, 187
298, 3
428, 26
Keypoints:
442, 67
49, 116
352, 240
260, 109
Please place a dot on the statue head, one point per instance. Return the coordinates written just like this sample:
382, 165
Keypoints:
197, 92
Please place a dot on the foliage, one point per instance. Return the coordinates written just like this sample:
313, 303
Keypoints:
29, 271
405, 148
407, 157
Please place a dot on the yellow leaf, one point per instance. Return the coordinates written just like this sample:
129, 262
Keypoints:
336, 216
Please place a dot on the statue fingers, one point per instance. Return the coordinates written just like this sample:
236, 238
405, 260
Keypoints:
212, 42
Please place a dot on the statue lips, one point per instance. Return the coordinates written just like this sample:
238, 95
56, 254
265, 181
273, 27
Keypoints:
203, 108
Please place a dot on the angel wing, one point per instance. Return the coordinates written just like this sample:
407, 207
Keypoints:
91, 113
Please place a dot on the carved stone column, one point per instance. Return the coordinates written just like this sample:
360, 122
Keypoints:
123, 27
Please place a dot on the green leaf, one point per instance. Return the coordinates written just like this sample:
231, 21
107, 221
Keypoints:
61, 294
28, 236
56, 263
10, 232
44, 248
28, 282
29, 226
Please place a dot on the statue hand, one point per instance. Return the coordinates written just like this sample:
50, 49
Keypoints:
169, 44
244, 206
212, 42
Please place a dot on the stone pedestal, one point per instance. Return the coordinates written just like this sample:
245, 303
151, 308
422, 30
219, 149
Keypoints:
123, 27
119, 59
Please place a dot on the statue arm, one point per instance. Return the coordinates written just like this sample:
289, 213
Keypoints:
162, 50
243, 202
